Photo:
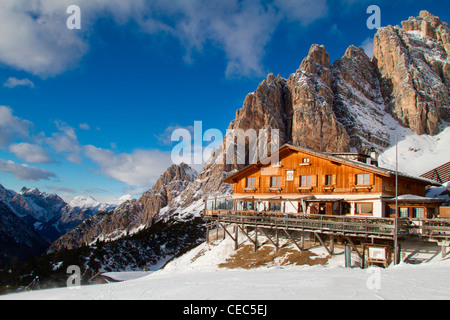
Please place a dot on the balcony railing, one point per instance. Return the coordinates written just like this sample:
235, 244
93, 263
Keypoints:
365, 226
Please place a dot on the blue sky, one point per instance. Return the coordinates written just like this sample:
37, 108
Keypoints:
91, 111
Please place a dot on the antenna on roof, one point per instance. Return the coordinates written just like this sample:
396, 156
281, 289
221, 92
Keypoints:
396, 253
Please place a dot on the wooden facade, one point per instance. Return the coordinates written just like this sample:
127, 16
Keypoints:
306, 181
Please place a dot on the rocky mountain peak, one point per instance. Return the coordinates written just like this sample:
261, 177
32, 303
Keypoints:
169, 185
414, 67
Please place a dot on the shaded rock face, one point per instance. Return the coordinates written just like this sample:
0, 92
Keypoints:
314, 124
347, 106
358, 102
300, 108
169, 186
413, 63
18, 240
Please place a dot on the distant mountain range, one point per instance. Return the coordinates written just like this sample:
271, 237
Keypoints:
43, 218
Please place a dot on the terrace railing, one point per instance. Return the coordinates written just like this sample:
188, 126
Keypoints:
343, 225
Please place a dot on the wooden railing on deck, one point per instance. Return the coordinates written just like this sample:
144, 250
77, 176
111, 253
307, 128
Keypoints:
364, 226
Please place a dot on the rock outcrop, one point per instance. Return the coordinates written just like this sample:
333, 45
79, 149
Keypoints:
358, 102
314, 124
175, 180
413, 63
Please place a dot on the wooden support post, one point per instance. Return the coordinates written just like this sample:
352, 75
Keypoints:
302, 240
256, 238
246, 233
231, 236
332, 244
293, 240
207, 233
444, 245
268, 237
361, 256
236, 241
322, 243
277, 245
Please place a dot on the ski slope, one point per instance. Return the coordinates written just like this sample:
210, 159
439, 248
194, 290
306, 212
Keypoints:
196, 276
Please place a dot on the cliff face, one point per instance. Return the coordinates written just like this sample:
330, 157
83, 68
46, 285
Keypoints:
314, 124
413, 63
343, 106
166, 189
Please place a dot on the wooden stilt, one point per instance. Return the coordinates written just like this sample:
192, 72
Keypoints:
354, 247
256, 238
322, 243
236, 241
332, 244
293, 240
269, 238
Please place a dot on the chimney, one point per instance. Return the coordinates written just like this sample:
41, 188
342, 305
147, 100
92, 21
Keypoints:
374, 156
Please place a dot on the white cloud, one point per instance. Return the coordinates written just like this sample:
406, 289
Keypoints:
30, 153
65, 140
12, 127
34, 36
367, 45
140, 168
84, 126
25, 172
14, 82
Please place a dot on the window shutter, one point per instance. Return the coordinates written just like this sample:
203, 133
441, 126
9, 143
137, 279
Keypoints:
283, 182
334, 181
257, 182
314, 179
268, 183
372, 179
297, 181
243, 183
351, 180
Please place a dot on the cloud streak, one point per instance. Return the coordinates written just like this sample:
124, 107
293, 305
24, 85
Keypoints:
140, 168
34, 37
25, 172
30, 153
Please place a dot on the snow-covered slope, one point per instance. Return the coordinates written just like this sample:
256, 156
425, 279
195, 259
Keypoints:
417, 154
88, 202
196, 276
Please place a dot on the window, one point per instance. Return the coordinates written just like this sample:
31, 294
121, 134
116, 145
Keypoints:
250, 182
363, 179
210, 205
275, 182
305, 181
249, 206
221, 204
305, 160
275, 206
329, 180
404, 212
364, 208
419, 213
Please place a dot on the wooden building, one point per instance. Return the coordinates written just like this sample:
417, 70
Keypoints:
304, 181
